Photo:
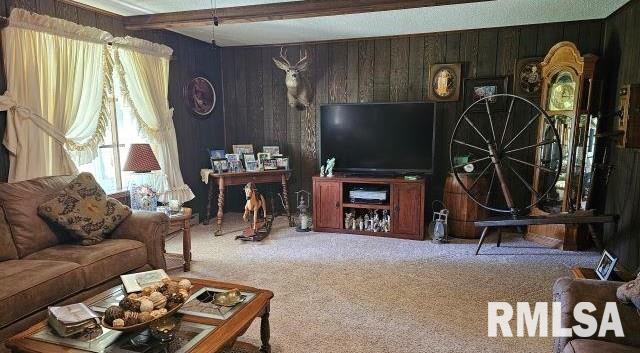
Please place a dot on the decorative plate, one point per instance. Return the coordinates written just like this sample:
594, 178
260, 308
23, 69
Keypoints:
200, 96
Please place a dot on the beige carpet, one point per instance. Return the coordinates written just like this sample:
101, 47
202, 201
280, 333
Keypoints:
350, 293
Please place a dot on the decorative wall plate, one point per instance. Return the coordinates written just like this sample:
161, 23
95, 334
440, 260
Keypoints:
200, 96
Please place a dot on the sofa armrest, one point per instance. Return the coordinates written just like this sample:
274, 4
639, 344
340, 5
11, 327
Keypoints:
149, 228
570, 291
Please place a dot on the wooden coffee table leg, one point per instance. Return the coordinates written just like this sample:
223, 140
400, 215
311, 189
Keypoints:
265, 332
186, 245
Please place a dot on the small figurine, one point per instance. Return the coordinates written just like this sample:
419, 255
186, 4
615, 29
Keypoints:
353, 224
360, 223
366, 222
347, 220
322, 172
330, 163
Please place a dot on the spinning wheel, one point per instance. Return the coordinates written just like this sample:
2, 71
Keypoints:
495, 134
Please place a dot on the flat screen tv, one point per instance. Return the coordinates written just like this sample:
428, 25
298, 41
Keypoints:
378, 138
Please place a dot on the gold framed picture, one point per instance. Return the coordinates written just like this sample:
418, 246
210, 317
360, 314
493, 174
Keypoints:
444, 82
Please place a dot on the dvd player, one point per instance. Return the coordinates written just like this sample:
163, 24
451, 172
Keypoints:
368, 195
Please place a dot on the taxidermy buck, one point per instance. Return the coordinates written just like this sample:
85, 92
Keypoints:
298, 87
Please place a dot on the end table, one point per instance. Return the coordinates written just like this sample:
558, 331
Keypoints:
181, 222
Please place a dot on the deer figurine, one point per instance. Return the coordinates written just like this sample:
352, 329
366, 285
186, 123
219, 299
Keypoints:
298, 87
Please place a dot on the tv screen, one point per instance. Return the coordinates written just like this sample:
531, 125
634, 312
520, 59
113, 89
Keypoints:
379, 137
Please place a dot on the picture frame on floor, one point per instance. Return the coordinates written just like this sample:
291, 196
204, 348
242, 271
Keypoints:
606, 265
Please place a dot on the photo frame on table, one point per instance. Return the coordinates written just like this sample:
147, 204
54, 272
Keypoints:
478, 88
262, 156
242, 149
282, 162
272, 150
252, 166
216, 154
444, 82
232, 157
219, 166
527, 77
606, 265
270, 164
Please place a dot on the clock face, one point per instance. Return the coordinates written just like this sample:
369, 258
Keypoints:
468, 168
562, 92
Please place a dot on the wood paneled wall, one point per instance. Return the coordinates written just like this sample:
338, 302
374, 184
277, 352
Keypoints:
191, 58
621, 50
374, 70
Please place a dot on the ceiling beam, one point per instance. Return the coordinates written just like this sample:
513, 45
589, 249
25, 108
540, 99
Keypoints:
276, 11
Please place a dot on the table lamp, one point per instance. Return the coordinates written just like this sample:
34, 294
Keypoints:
141, 161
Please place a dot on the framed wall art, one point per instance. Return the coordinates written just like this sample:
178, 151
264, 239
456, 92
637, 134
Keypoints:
199, 96
478, 88
444, 82
528, 77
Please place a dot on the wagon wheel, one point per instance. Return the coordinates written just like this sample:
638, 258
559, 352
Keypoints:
497, 132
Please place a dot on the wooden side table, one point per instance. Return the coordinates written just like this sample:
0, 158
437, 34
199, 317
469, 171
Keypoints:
181, 222
589, 273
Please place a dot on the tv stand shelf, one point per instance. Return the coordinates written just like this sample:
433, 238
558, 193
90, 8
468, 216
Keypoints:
406, 205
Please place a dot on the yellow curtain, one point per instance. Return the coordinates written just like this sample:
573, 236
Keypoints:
143, 71
58, 88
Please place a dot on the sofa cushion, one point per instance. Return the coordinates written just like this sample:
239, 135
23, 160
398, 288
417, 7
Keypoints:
85, 210
20, 202
32, 285
100, 262
595, 346
8, 249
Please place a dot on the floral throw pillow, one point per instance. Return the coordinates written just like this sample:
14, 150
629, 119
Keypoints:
85, 210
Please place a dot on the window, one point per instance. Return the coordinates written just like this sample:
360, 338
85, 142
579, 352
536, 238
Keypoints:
121, 132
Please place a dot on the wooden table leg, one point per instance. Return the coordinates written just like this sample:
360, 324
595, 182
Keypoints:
209, 201
186, 245
484, 233
265, 332
220, 214
285, 196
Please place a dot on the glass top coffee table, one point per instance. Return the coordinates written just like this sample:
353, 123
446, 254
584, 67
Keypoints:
202, 326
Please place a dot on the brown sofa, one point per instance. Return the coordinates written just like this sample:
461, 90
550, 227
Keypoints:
572, 291
40, 266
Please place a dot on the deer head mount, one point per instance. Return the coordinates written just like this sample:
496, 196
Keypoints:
298, 87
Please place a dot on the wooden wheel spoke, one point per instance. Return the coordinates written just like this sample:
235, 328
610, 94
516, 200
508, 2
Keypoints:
534, 118
526, 184
493, 177
541, 143
506, 123
476, 129
472, 146
548, 170
475, 182
472, 162
493, 131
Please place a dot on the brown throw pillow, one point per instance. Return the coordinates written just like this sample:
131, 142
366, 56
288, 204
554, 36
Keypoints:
85, 210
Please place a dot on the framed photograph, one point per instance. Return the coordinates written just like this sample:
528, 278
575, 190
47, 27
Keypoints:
528, 77
270, 164
242, 149
216, 154
232, 157
606, 265
272, 150
282, 162
444, 82
252, 166
262, 156
219, 165
478, 88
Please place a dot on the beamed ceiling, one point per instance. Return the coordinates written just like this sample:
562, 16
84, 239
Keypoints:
261, 22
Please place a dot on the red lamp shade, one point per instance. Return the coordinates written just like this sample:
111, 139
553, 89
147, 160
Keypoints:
141, 159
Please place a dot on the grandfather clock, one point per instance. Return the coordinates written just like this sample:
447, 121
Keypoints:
567, 97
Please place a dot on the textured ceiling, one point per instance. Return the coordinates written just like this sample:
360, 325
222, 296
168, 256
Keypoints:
496, 13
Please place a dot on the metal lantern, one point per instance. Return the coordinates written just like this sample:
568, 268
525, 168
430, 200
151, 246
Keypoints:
303, 220
438, 226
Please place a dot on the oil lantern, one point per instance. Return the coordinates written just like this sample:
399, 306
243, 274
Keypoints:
303, 221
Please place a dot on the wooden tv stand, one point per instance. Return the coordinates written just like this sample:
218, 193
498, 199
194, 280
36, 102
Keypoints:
406, 205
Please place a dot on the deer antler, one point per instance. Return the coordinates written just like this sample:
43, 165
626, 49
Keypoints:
306, 55
283, 55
